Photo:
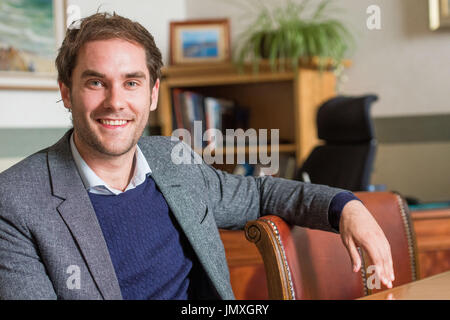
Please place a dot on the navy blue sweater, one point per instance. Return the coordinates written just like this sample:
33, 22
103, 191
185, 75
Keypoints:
147, 247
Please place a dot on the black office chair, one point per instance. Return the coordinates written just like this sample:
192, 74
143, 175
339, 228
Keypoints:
346, 159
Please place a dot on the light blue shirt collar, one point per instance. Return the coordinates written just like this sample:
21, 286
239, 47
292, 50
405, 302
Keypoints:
95, 184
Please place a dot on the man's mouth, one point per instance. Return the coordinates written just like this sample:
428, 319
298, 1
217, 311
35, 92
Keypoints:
113, 123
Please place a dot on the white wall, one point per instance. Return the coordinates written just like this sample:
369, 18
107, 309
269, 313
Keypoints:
419, 170
32, 109
38, 109
404, 63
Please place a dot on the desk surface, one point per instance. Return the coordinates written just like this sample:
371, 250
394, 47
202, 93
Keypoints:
432, 288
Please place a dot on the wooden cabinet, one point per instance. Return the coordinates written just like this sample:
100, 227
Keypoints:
286, 100
432, 228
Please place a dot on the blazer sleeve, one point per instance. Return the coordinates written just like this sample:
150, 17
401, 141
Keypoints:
22, 274
238, 199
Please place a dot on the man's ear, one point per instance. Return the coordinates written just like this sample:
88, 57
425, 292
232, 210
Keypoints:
65, 95
154, 96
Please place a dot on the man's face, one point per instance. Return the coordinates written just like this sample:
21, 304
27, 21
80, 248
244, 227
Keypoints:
110, 96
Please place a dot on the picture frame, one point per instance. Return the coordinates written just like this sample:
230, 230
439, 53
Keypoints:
439, 14
28, 46
199, 41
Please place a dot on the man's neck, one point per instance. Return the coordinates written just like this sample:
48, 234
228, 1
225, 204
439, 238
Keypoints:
116, 171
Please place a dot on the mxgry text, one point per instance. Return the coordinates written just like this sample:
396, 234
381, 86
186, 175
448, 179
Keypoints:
251, 309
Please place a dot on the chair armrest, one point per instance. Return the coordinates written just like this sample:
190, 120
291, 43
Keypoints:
303, 263
271, 235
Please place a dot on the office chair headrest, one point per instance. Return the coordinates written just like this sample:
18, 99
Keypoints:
346, 119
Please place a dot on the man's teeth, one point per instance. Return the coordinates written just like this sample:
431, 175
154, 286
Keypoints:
114, 122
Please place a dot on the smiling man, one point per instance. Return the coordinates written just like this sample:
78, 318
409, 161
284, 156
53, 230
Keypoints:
110, 99
105, 214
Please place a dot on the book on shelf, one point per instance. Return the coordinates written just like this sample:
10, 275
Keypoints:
194, 111
177, 120
213, 113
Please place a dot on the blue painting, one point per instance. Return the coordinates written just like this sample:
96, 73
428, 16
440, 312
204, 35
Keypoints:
200, 43
27, 36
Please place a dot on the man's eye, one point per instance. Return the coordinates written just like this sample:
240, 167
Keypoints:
132, 84
95, 83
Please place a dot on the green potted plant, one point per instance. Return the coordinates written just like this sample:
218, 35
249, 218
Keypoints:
289, 35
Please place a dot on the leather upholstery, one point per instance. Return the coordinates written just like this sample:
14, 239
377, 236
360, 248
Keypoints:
316, 264
392, 215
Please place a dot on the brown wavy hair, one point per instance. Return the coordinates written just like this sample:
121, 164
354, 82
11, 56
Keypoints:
104, 26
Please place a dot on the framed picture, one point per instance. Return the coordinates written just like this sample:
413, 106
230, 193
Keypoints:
439, 11
30, 34
199, 41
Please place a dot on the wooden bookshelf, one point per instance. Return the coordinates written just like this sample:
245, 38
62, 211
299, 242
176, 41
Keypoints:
286, 100
285, 148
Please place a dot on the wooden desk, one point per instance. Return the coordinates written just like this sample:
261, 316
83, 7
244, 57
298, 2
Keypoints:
436, 287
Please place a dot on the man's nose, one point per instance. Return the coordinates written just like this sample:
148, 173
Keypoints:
116, 97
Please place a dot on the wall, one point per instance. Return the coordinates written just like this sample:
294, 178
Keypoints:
418, 169
414, 155
406, 65
404, 62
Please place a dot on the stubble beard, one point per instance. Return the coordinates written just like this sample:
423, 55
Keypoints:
89, 138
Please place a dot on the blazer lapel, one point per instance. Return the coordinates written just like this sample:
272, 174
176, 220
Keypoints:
77, 212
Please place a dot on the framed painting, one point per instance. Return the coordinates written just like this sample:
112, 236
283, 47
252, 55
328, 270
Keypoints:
199, 41
439, 11
31, 31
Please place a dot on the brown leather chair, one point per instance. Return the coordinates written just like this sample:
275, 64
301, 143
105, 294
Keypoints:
302, 263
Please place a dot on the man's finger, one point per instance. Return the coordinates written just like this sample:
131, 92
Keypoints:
381, 266
354, 255
386, 264
384, 272
389, 263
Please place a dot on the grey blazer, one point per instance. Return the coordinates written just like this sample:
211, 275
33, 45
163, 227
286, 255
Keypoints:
49, 232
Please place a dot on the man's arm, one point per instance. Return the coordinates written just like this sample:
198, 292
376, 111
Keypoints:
238, 199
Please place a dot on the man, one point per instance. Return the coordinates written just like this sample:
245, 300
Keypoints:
105, 214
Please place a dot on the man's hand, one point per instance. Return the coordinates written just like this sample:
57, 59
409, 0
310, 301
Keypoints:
358, 228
